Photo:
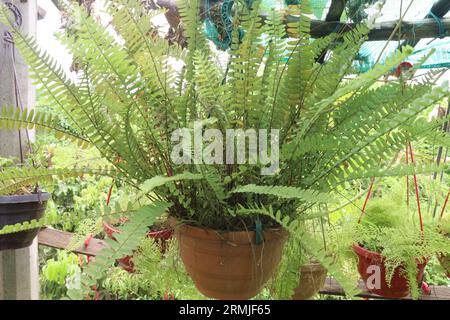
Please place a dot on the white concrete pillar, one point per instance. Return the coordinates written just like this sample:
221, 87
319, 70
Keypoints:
19, 269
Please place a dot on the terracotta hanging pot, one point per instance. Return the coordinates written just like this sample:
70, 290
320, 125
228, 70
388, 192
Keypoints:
370, 262
161, 237
229, 265
312, 279
17, 209
445, 263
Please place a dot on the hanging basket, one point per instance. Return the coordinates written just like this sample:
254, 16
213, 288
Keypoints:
312, 279
18, 209
229, 265
444, 260
370, 263
445, 263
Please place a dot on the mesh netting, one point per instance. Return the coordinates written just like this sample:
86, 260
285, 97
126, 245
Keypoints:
218, 27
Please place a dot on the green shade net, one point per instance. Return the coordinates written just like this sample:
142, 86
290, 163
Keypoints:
371, 51
218, 27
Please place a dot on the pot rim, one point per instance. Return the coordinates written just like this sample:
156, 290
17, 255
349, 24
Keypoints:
108, 227
35, 197
162, 232
313, 267
174, 223
365, 252
361, 251
234, 238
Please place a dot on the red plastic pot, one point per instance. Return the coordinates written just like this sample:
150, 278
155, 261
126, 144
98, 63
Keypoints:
399, 284
403, 67
160, 236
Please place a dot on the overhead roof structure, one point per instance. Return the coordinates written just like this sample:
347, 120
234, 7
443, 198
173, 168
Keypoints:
423, 24
426, 27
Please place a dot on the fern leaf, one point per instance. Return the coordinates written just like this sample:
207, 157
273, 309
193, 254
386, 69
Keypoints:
14, 118
126, 242
284, 192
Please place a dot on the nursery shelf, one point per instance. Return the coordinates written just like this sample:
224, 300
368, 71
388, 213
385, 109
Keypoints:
331, 287
60, 240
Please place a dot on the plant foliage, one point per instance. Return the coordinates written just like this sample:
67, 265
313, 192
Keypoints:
128, 99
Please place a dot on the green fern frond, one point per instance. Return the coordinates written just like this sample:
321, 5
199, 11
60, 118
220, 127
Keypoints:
285, 192
316, 250
158, 181
45, 221
13, 179
124, 244
269, 211
14, 118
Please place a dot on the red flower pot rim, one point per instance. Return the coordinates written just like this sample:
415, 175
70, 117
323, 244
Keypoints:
126, 262
376, 256
398, 285
164, 234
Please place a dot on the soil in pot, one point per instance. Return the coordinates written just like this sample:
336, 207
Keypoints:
17, 209
229, 265
370, 262
312, 279
159, 236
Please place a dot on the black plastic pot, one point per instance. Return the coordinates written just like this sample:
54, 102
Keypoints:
18, 209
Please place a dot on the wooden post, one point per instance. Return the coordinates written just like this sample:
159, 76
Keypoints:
19, 269
337, 7
439, 9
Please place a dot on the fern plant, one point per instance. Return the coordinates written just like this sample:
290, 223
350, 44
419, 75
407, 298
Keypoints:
128, 99
392, 229
157, 275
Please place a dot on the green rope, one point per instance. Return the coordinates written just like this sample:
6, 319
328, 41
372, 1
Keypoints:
222, 41
442, 32
258, 232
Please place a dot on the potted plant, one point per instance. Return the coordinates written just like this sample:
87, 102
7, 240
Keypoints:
301, 283
301, 275
174, 125
312, 279
160, 233
444, 228
392, 250
18, 206
157, 276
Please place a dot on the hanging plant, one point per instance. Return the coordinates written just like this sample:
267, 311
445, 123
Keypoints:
392, 247
444, 228
135, 106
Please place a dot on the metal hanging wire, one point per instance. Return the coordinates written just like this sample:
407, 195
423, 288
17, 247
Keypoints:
17, 93
8, 38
